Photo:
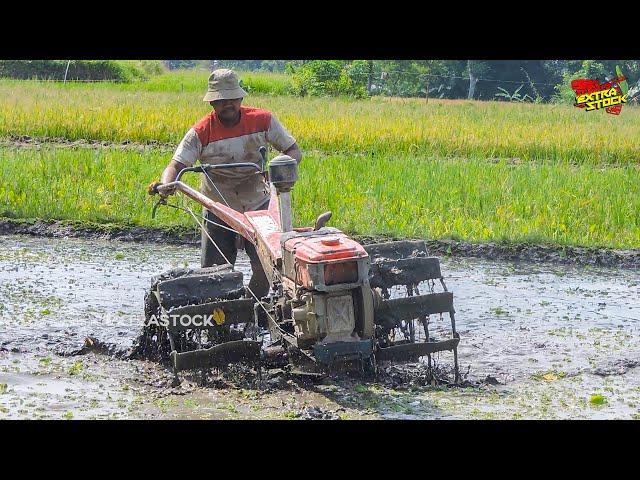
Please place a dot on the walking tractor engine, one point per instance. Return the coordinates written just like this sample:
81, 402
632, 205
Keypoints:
331, 313
323, 274
331, 301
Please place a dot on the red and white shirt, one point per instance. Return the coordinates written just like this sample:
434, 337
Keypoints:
212, 143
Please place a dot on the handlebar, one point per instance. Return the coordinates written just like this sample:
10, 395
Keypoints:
209, 167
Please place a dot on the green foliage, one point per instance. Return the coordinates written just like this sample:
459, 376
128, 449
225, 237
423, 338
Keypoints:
513, 97
542, 80
623, 85
264, 83
177, 64
114, 70
149, 67
589, 69
592, 69
330, 77
195, 81
252, 65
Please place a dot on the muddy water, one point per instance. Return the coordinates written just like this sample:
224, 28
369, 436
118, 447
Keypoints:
538, 341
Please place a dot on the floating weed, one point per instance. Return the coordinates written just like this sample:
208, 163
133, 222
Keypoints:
76, 368
67, 415
249, 394
597, 399
165, 403
361, 388
3, 387
499, 311
119, 256
548, 376
46, 361
189, 403
230, 407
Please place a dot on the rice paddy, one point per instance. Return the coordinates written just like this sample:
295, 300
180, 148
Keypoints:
466, 199
379, 126
476, 171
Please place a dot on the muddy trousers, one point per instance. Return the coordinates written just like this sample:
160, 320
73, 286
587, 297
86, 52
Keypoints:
226, 241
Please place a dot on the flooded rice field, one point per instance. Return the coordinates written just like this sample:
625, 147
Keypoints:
537, 341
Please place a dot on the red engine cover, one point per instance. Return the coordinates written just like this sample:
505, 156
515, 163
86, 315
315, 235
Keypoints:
323, 249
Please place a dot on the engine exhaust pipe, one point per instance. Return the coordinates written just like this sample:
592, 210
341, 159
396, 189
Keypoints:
283, 174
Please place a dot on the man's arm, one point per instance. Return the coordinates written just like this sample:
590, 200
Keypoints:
294, 152
168, 175
171, 172
187, 153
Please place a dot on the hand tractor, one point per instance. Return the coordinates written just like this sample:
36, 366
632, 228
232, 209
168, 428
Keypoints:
333, 302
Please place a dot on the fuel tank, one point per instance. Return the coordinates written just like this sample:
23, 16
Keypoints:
324, 260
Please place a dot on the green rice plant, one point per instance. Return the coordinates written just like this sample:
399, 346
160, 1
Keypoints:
401, 196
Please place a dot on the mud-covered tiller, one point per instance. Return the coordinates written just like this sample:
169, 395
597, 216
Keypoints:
332, 301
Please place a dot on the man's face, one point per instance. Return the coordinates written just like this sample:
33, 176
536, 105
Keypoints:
227, 110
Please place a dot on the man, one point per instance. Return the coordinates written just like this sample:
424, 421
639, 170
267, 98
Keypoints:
231, 133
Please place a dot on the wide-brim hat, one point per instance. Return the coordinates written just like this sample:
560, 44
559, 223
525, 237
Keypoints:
223, 85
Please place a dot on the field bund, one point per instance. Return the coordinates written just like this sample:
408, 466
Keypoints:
472, 171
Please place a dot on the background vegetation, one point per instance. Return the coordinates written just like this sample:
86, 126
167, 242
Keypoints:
113, 70
514, 171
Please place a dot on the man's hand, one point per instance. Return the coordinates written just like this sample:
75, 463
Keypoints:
294, 152
168, 175
152, 189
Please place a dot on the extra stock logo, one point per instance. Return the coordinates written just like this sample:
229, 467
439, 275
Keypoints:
593, 95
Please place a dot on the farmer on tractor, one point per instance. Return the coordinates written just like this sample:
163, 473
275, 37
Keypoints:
231, 133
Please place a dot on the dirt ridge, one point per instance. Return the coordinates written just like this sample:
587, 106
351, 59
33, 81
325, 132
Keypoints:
184, 236
26, 141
